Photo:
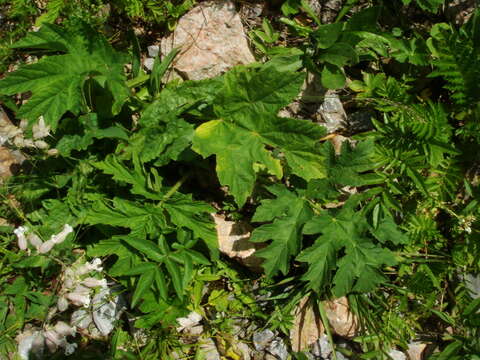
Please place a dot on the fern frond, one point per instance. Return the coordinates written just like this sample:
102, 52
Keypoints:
457, 60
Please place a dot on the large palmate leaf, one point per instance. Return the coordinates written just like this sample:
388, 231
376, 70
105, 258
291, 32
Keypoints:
194, 215
247, 107
289, 213
240, 144
162, 142
91, 131
248, 92
345, 231
56, 82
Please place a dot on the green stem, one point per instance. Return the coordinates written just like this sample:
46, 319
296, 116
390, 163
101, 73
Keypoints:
174, 189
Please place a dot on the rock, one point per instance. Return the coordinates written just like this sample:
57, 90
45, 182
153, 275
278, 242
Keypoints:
107, 307
472, 283
307, 327
244, 350
212, 40
262, 339
397, 355
415, 350
233, 241
315, 6
330, 10
360, 121
7, 129
148, 63
340, 356
251, 11
153, 50
343, 322
208, 349
324, 347
9, 162
278, 349
459, 11
190, 324
332, 112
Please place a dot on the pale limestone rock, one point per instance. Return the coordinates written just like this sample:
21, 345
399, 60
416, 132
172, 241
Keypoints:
278, 349
153, 50
415, 350
212, 40
342, 321
332, 112
208, 349
307, 327
397, 355
262, 339
8, 161
233, 241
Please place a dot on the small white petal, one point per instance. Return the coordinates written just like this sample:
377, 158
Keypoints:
81, 290
46, 247
40, 130
79, 300
70, 348
52, 339
62, 328
92, 282
22, 240
62, 304
81, 318
95, 264
38, 344
62, 235
40, 144
35, 240
25, 345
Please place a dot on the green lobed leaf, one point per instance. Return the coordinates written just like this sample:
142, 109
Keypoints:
56, 82
235, 166
285, 232
249, 92
332, 77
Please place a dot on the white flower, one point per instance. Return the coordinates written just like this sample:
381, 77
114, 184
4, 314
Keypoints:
92, 282
40, 144
62, 304
70, 348
46, 247
35, 240
53, 340
55, 239
62, 328
40, 130
62, 235
94, 265
22, 240
81, 318
79, 299
30, 342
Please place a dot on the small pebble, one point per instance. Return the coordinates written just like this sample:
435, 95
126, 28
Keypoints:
153, 50
262, 339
